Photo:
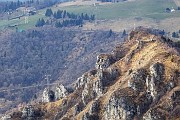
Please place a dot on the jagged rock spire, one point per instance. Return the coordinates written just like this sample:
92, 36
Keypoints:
60, 92
48, 95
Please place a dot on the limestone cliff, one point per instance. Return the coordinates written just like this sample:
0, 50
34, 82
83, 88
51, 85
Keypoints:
140, 79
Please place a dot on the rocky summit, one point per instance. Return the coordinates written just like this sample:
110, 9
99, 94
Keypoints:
139, 80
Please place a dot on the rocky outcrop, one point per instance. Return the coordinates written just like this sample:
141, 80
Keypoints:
48, 95
157, 71
120, 91
155, 80
167, 108
104, 61
95, 107
28, 112
87, 116
128, 105
85, 78
60, 92
111, 74
134, 87
121, 106
6, 117
93, 112
92, 90
154, 115
175, 95
94, 87
97, 87
143, 103
137, 80
78, 107
93, 82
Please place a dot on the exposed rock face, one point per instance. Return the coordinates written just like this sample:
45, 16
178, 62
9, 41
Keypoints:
60, 92
78, 108
94, 109
169, 104
6, 117
134, 87
28, 112
113, 73
81, 81
154, 115
97, 87
104, 61
157, 71
143, 103
48, 95
153, 83
92, 114
86, 78
85, 94
176, 95
87, 116
121, 106
94, 87
137, 80
31, 113
95, 80
98, 84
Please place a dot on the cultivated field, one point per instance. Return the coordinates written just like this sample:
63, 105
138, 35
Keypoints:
149, 9
142, 8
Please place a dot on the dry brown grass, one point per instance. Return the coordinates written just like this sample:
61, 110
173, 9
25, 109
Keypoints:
118, 25
52, 105
51, 108
151, 52
86, 109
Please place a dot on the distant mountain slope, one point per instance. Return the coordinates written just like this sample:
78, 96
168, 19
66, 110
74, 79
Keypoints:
136, 9
139, 80
26, 57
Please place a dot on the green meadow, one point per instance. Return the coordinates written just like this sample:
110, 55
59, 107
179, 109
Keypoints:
141, 8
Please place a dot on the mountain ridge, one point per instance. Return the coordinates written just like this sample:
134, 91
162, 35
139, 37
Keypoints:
138, 80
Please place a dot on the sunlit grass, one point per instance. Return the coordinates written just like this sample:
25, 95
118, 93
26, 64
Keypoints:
141, 8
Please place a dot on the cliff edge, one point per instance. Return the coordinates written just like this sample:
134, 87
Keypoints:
140, 79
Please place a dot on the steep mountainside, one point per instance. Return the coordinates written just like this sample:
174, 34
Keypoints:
139, 80
26, 57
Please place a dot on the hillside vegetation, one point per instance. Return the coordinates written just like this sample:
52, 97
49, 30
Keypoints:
26, 57
140, 8
139, 80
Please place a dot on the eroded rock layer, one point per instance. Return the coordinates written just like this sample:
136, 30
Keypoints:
140, 79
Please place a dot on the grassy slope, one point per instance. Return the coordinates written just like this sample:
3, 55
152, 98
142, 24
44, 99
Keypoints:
140, 8
126, 9
150, 53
